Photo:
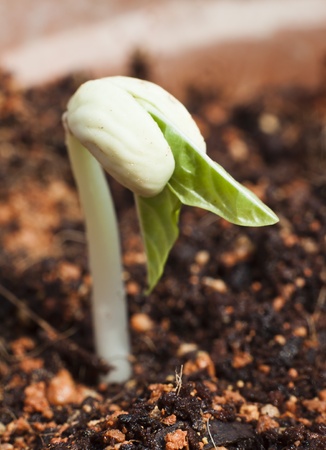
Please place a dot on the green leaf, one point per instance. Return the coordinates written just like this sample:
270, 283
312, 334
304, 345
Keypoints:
158, 217
199, 181
196, 181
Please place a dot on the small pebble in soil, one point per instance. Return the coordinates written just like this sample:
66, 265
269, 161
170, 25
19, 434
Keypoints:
176, 440
141, 323
62, 389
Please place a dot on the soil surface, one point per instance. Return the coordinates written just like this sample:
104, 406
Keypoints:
228, 352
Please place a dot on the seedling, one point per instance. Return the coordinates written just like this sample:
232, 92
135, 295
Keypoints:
146, 140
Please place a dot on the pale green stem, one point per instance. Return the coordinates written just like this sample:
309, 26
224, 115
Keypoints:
109, 304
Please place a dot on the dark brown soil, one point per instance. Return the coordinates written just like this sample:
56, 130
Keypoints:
228, 351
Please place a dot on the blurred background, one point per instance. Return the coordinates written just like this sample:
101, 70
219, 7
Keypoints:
241, 45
